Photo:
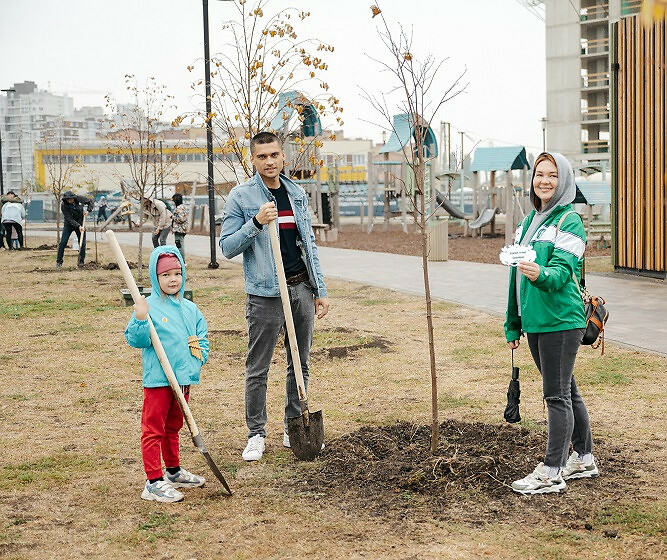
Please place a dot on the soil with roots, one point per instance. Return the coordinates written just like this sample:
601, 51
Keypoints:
389, 471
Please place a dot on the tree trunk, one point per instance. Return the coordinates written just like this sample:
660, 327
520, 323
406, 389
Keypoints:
419, 182
140, 256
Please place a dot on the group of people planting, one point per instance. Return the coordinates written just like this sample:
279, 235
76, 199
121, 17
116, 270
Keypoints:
544, 303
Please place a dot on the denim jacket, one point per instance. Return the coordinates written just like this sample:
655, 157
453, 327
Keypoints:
240, 235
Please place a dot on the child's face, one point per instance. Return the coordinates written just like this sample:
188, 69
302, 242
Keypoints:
170, 281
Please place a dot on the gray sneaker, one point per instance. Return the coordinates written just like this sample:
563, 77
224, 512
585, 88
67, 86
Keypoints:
59, 265
575, 468
185, 479
161, 491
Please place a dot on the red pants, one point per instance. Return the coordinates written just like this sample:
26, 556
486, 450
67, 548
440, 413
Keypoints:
161, 420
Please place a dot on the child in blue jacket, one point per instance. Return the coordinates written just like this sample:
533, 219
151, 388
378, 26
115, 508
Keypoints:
183, 332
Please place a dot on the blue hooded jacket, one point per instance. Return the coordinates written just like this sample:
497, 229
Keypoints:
175, 319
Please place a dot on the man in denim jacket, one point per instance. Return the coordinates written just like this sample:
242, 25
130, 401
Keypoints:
267, 196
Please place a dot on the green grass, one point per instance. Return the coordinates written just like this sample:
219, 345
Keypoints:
372, 302
158, 526
533, 425
46, 471
450, 401
643, 519
613, 370
43, 307
471, 355
330, 338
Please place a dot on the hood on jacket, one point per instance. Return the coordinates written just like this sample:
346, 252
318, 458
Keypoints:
152, 267
68, 194
566, 189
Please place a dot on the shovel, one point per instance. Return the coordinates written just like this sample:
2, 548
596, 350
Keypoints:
164, 361
82, 242
306, 431
513, 393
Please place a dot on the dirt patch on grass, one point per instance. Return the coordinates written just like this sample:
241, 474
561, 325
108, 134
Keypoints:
92, 265
341, 351
390, 471
393, 240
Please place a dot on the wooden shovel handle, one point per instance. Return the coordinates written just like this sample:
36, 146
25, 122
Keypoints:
155, 339
287, 309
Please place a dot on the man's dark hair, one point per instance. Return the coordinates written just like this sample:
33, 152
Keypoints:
264, 138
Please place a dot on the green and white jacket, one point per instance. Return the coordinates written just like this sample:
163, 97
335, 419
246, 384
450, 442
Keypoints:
553, 301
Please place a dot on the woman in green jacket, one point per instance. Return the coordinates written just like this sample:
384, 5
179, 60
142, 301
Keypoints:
545, 303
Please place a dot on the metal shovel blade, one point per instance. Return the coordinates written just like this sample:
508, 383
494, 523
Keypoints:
306, 440
199, 443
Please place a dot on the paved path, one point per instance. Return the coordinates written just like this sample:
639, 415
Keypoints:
637, 306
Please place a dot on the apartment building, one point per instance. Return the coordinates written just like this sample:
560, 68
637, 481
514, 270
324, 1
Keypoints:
28, 115
578, 75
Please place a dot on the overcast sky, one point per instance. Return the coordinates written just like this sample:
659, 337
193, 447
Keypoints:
85, 47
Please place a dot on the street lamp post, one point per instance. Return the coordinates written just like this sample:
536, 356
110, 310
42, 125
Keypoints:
543, 120
209, 140
2, 173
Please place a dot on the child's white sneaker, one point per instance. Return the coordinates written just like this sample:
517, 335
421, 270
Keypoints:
539, 482
161, 491
576, 468
254, 449
185, 479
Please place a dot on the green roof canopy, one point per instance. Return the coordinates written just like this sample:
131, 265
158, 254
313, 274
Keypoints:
499, 159
402, 133
287, 103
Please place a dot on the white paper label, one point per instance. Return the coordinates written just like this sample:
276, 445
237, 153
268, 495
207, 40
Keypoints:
510, 255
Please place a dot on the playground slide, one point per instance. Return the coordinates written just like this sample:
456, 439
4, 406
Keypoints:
484, 218
445, 204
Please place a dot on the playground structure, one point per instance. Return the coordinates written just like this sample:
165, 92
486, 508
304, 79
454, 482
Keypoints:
298, 123
398, 183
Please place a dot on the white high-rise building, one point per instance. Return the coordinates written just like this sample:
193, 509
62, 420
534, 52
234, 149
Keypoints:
578, 75
27, 115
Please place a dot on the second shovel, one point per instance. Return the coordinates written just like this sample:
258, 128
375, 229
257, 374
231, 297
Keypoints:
306, 432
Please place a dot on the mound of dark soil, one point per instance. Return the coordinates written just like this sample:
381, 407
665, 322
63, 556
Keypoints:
391, 471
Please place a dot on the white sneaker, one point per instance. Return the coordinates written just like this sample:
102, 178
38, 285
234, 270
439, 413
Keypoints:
576, 468
255, 449
161, 491
286, 442
185, 479
539, 482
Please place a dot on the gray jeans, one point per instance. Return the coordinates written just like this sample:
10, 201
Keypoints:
555, 354
160, 238
179, 241
265, 320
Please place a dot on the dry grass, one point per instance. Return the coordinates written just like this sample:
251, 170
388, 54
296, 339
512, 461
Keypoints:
70, 394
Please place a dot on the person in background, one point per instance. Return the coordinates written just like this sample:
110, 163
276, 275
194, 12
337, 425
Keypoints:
545, 303
102, 210
179, 223
12, 217
161, 216
73, 207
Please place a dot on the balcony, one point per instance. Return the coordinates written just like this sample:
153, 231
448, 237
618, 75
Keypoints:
595, 80
596, 47
599, 113
595, 146
629, 7
594, 13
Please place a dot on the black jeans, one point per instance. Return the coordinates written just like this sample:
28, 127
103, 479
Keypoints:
554, 354
64, 238
9, 226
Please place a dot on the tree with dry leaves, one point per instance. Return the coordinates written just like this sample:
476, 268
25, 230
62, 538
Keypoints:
414, 92
259, 81
134, 137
